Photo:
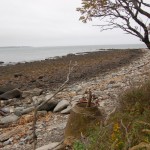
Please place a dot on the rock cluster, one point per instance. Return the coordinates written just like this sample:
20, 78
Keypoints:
16, 111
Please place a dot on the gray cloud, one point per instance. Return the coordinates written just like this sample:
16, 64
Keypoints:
51, 23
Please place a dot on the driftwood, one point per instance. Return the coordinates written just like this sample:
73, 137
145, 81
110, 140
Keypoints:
43, 103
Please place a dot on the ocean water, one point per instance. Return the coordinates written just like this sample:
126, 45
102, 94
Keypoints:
11, 55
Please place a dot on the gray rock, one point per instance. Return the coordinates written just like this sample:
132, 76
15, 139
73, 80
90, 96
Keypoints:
18, 113
67, 110
31, 93
7, 142
19, 108
5, 109
49, 146
16, 93
9, 119
6, 88
22, 143
49, 106
61, 105
114, 74
37, 100
27, 110
76, 88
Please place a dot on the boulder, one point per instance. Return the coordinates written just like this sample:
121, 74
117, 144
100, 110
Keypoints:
6, 88
67, 110
49, 146
18, 111
16, 93
49, 106
9, 119
26, 111
61, 105
34, 92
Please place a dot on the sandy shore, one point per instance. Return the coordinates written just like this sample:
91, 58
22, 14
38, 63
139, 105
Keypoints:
50, 73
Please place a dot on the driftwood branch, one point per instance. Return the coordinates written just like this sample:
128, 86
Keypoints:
44, 102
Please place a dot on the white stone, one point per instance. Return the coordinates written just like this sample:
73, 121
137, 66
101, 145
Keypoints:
67, 110
49, 146
61, 105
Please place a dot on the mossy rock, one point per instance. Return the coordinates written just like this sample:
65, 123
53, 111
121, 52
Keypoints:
82, 119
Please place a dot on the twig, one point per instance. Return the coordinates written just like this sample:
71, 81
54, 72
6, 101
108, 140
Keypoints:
34, 129
89, 98
43, 103
126, 133
108, 116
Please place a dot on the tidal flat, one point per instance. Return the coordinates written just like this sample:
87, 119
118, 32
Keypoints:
51, 73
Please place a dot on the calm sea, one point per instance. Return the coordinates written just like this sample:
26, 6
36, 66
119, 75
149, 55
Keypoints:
26, 54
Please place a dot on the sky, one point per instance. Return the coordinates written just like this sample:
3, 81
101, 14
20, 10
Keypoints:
52, 23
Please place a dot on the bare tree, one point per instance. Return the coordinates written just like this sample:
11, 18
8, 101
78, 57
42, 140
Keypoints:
132, 16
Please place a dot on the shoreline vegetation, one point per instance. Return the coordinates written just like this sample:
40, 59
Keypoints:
50, 73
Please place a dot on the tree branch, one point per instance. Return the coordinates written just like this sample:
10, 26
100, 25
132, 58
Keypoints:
44, 102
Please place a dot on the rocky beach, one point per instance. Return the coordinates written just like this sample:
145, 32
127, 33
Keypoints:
25, 85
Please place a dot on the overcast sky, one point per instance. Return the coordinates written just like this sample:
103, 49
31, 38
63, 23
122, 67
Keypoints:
51, 23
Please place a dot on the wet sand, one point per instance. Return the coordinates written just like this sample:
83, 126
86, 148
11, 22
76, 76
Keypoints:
50, 73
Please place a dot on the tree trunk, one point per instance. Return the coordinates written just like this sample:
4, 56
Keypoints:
148, 45
146, 41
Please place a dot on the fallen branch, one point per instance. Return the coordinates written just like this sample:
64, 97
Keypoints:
44, 102
126, 134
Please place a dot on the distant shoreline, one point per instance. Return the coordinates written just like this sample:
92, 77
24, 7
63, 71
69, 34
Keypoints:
22, 54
